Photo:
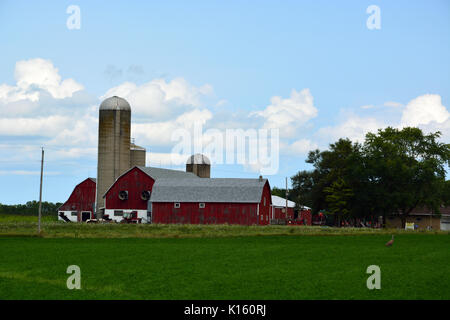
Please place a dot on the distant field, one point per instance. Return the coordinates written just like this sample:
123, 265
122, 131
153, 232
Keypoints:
25, 218
22, 226
269, 267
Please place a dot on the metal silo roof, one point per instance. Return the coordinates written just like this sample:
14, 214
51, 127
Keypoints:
115, 103
198, 158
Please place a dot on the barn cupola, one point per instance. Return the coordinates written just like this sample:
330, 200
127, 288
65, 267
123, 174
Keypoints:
199, 165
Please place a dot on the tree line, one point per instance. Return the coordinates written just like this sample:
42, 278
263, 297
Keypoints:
393, 171
30, 208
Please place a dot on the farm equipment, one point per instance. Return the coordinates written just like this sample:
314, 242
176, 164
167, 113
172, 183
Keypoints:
131, 217
105, 219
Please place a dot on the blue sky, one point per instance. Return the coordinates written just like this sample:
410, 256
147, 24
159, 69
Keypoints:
222, 59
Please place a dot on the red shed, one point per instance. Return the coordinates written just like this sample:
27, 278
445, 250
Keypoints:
211, 201
81, 203
132, 190
279, 208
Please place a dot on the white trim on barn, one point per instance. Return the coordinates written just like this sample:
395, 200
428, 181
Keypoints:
113, 214
71, 215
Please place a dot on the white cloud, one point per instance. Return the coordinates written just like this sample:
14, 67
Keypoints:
354, 128
298, 147
424, 110
47, 127
288, 115
221, 103
160, 133
369, 106
429, 114
156, 159
159, 98
34, 75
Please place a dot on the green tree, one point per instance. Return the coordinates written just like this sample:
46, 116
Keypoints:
446, 193
340, 164
279, 192
405, 169
302, 191
338, 198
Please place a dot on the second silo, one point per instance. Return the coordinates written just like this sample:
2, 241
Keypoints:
199, 165
137, 156
113, 145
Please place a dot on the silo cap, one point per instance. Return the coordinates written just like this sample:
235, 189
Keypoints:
115, 103
198, 158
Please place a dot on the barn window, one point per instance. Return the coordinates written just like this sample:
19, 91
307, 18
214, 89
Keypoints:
118, 213
123, 195
74, 213
145, 195
264, 201
201, 205
176, 205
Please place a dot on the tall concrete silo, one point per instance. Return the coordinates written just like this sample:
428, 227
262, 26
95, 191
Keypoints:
113, 145
199, 165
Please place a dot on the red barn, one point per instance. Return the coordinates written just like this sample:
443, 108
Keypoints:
81, 203
211, 201
132, 190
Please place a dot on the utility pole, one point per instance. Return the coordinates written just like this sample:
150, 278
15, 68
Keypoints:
286, 199
40, 192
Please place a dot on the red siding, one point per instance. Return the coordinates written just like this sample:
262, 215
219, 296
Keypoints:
265, 211
82, 198
306, 216
279, 214
214, 213
134, 181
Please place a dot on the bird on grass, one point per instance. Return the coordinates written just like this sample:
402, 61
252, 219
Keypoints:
390, 242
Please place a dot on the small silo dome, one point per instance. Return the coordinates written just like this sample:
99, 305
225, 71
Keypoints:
115, 103
198, 159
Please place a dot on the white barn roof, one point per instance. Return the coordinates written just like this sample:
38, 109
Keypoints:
281, 202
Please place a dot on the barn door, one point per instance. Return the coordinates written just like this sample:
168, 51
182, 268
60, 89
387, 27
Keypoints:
85, 215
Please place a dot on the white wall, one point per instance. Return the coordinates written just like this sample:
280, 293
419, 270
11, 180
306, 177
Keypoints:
68, 214
141, 214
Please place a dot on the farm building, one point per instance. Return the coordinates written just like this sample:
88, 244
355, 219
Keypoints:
423, 218
171, 196
211, 201
81, 204
132, 191
126, 187
279, 208
279, 211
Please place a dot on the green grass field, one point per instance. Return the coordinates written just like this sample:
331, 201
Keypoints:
251, 267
